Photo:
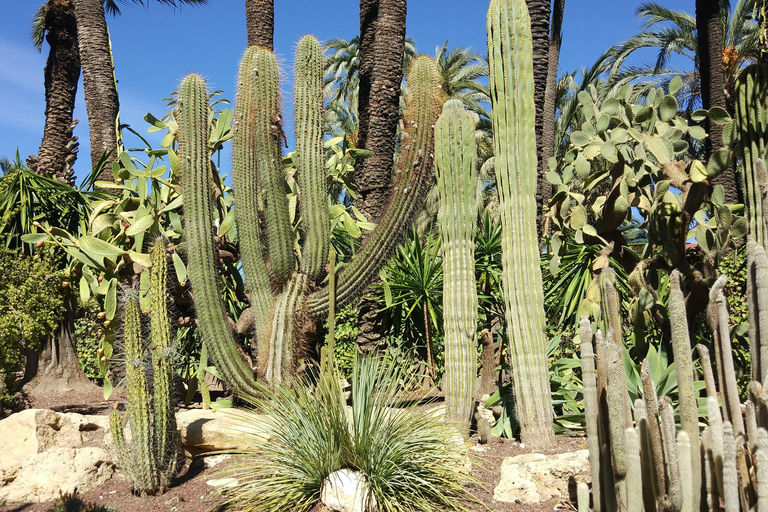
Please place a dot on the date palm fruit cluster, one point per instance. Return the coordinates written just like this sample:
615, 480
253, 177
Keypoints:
285, 288
637, 458
149, 459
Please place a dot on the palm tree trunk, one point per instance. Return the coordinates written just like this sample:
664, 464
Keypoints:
99, 86
539, 11
260, 22
544, 189
710, 53
62, 71
380, 71
382, 44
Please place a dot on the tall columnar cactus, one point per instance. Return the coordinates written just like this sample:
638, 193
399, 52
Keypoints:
277, 286
752, 119
455, 159
150, 460
511, 82
729, 468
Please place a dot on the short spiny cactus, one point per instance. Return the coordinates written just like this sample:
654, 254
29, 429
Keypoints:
150, 459
285, 295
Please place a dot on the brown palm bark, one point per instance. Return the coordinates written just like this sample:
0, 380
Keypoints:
260, 22
382, 45
544, 190
539, 11
62, 70
710, 55
99, 88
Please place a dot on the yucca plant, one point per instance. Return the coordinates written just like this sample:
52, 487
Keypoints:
405, 454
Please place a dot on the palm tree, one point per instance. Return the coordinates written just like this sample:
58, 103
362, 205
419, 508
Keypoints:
462, 71
99, 85
260, 22
55, 21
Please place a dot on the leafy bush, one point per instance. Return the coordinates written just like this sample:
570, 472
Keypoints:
345, 339
88, 334
32, 298
405, 454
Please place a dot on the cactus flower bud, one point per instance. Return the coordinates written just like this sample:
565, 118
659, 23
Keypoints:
103, 359
107, 322
65, 284
40, 244
101, 315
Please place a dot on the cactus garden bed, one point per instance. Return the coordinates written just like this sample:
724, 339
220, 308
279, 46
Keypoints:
189, 491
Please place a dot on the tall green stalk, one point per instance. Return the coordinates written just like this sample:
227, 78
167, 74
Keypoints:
455, 159
511, 82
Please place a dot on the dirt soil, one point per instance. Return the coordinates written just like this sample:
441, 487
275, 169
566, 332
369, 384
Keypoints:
189, 491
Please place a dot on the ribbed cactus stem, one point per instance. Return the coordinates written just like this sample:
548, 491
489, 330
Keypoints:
752, 119
312, 176
688, 476
757, 302
762, 470
192, 117
511, 83
634, 479
261, 115
413, 171
731, 395
751, 424
689, 409
249, 201
591, 408
616, 421
286, 325
716, 432
650, 490
116, 427
143, 448
162, 362
730, 475
706, 367
455, 157
654, 430
669, 438
582, 494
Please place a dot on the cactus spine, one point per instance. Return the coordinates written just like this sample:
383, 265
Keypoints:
511, 82
455, 158
150, 460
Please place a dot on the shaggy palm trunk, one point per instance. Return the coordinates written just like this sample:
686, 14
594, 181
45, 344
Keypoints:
710, 53
62, 71
382, 45
260, 22
511, 82
99, 85
544, 189
539, 11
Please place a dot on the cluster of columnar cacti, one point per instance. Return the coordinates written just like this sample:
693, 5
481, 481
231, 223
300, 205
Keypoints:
149, 460
455, 160
752, 121
284, 296
638, 460
511, 83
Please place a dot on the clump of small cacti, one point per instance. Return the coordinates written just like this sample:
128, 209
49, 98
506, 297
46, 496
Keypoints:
690, 469
149, 460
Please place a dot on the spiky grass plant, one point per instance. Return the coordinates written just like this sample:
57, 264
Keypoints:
406, 454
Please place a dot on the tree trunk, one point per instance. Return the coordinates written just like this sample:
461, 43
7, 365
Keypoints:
260, 22
101, 102
382, 44
62, 71
539, 11
380, 71
58, 369
710, 54
544, 189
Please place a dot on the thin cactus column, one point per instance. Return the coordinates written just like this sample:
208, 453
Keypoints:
511, 82
455, 157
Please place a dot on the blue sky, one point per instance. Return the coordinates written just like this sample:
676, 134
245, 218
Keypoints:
155, 47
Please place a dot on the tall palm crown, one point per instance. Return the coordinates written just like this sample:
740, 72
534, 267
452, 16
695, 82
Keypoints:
673, 33
463, 73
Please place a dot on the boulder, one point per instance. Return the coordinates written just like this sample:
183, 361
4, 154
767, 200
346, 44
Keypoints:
346, 490
42, 475
534, 477
206, 430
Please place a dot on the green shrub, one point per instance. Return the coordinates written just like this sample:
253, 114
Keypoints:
69, 502
88, 334
405, 454
31, 307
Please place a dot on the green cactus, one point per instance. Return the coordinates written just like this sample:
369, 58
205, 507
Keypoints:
511, 82
455, 157
277, 286
752, 122
150, 459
